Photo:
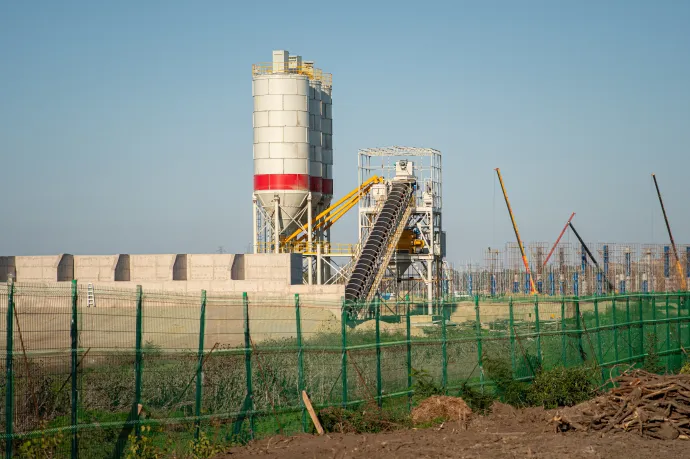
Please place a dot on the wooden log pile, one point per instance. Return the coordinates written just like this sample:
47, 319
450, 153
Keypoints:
655, 406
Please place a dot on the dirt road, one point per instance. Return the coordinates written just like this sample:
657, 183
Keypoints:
505, 433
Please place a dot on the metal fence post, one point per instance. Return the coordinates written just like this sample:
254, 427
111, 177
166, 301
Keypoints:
684, 319
444, 349
379, 382
668, 333
679, 330
640, 309
300, 361
75, 401
656, 336
9, 390
199, 370
511, 322
687, 316
564, 354
138, 366
537, 328
343, 371
248, 363
615, 330
480, 352
578, 324
627, 320
409, 353
597, 324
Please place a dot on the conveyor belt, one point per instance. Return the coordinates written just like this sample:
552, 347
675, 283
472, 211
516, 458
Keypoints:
379, 243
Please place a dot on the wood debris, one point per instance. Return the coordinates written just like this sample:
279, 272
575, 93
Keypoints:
655, 406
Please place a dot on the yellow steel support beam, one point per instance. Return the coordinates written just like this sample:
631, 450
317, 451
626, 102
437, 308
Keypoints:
329, 220
335, 211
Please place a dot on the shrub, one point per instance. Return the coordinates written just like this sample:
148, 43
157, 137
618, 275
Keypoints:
561, 387
480, 402
204, 448
47, 445
145, 448
685, 369
509, 390
423, 386
369, 418
652, 361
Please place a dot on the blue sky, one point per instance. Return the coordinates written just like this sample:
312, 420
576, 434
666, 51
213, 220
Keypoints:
126, 127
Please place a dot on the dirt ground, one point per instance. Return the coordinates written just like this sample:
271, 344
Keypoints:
505, 433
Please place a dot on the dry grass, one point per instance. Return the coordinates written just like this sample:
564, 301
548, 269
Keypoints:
441, 407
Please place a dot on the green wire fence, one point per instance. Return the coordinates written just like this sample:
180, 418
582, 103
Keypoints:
82, 376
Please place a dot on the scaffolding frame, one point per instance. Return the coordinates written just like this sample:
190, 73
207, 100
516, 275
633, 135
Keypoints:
630, 267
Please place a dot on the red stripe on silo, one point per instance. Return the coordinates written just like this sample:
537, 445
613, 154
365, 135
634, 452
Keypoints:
315, 184
327, 186
281, 182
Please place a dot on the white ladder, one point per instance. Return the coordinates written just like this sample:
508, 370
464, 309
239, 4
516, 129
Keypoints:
90, 296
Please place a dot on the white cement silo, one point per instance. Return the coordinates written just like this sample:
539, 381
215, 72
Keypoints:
281, 141
288, 157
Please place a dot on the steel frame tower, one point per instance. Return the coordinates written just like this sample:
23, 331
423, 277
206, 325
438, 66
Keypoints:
420, 272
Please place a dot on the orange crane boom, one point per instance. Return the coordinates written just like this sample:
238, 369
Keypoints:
559, 239
533, 291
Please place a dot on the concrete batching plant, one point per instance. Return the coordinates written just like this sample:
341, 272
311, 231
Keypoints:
401, 246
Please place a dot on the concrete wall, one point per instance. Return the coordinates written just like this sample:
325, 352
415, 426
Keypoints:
264, 275
296, 269
237, 270
180, 268
208, 267
37, 268
65, 270
95, 268
122, 268
143, 268
7, 268
270, 266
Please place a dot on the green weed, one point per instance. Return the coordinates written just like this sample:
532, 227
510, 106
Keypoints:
561, 387
368, 418
509, 390
652, 361
423, 386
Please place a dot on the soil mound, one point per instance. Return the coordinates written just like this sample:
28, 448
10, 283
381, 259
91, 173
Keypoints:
441, 407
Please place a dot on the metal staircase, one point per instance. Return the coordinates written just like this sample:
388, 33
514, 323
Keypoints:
376, 252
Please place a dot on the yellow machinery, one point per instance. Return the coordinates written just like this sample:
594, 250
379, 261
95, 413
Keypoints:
297, 241
409, 242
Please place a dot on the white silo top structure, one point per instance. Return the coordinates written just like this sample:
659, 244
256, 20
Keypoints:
288, 156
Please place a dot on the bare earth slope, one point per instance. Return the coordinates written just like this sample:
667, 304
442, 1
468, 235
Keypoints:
506, 432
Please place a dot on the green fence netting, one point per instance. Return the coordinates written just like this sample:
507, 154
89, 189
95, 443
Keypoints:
96, 373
